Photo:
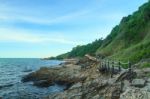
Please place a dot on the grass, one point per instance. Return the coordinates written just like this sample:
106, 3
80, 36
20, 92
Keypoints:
145, 65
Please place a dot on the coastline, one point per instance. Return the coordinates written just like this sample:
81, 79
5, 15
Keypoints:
83, 80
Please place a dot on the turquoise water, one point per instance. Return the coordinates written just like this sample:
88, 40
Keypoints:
11, 72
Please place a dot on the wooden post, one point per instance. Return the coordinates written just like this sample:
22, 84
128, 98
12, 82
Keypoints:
130, 71
129, 66
102, 65
121, 87
108, 66
105, 67
119, 66
112, 69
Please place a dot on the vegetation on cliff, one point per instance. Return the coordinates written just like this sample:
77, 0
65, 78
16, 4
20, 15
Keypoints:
80, 51
130, 39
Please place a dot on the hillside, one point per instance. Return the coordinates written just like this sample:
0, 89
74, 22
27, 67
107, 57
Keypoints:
130, 40
80, 51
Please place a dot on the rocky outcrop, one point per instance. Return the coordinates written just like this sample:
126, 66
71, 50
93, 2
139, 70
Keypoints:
90, 83
45, 77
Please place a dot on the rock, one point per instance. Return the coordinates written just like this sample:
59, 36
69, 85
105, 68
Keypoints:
126, 85
88, 83
43, 83
147, 87
87, 88
28, 78
46, 77
148, 80
97, 97
135, 93
115, 94
70, 61
77, 85
138, 83
28, 70
91, 58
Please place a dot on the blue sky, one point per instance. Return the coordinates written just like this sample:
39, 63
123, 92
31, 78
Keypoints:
42, 28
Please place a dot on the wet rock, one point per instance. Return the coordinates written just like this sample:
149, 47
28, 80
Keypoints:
27, 78
45, 77
138, 83
43, 83
28, 70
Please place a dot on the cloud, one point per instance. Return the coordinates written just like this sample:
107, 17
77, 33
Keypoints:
15, 15
28, 37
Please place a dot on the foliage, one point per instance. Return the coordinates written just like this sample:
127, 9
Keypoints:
145, 65
130, 39
80, 51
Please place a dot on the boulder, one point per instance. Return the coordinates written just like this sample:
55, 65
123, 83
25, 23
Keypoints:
148, 80
138, 83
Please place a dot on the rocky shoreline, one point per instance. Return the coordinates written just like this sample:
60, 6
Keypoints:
83, 80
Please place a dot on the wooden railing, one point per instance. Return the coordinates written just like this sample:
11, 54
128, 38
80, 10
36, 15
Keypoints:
113, 67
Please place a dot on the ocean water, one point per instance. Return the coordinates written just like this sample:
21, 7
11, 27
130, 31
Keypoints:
11, 72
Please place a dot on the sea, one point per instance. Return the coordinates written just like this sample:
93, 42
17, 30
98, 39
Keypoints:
13, 69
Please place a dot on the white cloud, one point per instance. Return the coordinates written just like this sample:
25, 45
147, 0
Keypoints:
11, 15
28, 37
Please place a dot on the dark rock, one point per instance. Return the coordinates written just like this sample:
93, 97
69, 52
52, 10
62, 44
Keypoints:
29, 77
43, 83
36, 76
28, 70
46, 77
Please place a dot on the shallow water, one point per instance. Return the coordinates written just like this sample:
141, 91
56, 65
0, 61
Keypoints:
11, 72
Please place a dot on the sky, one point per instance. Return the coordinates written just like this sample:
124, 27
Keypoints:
43, 28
